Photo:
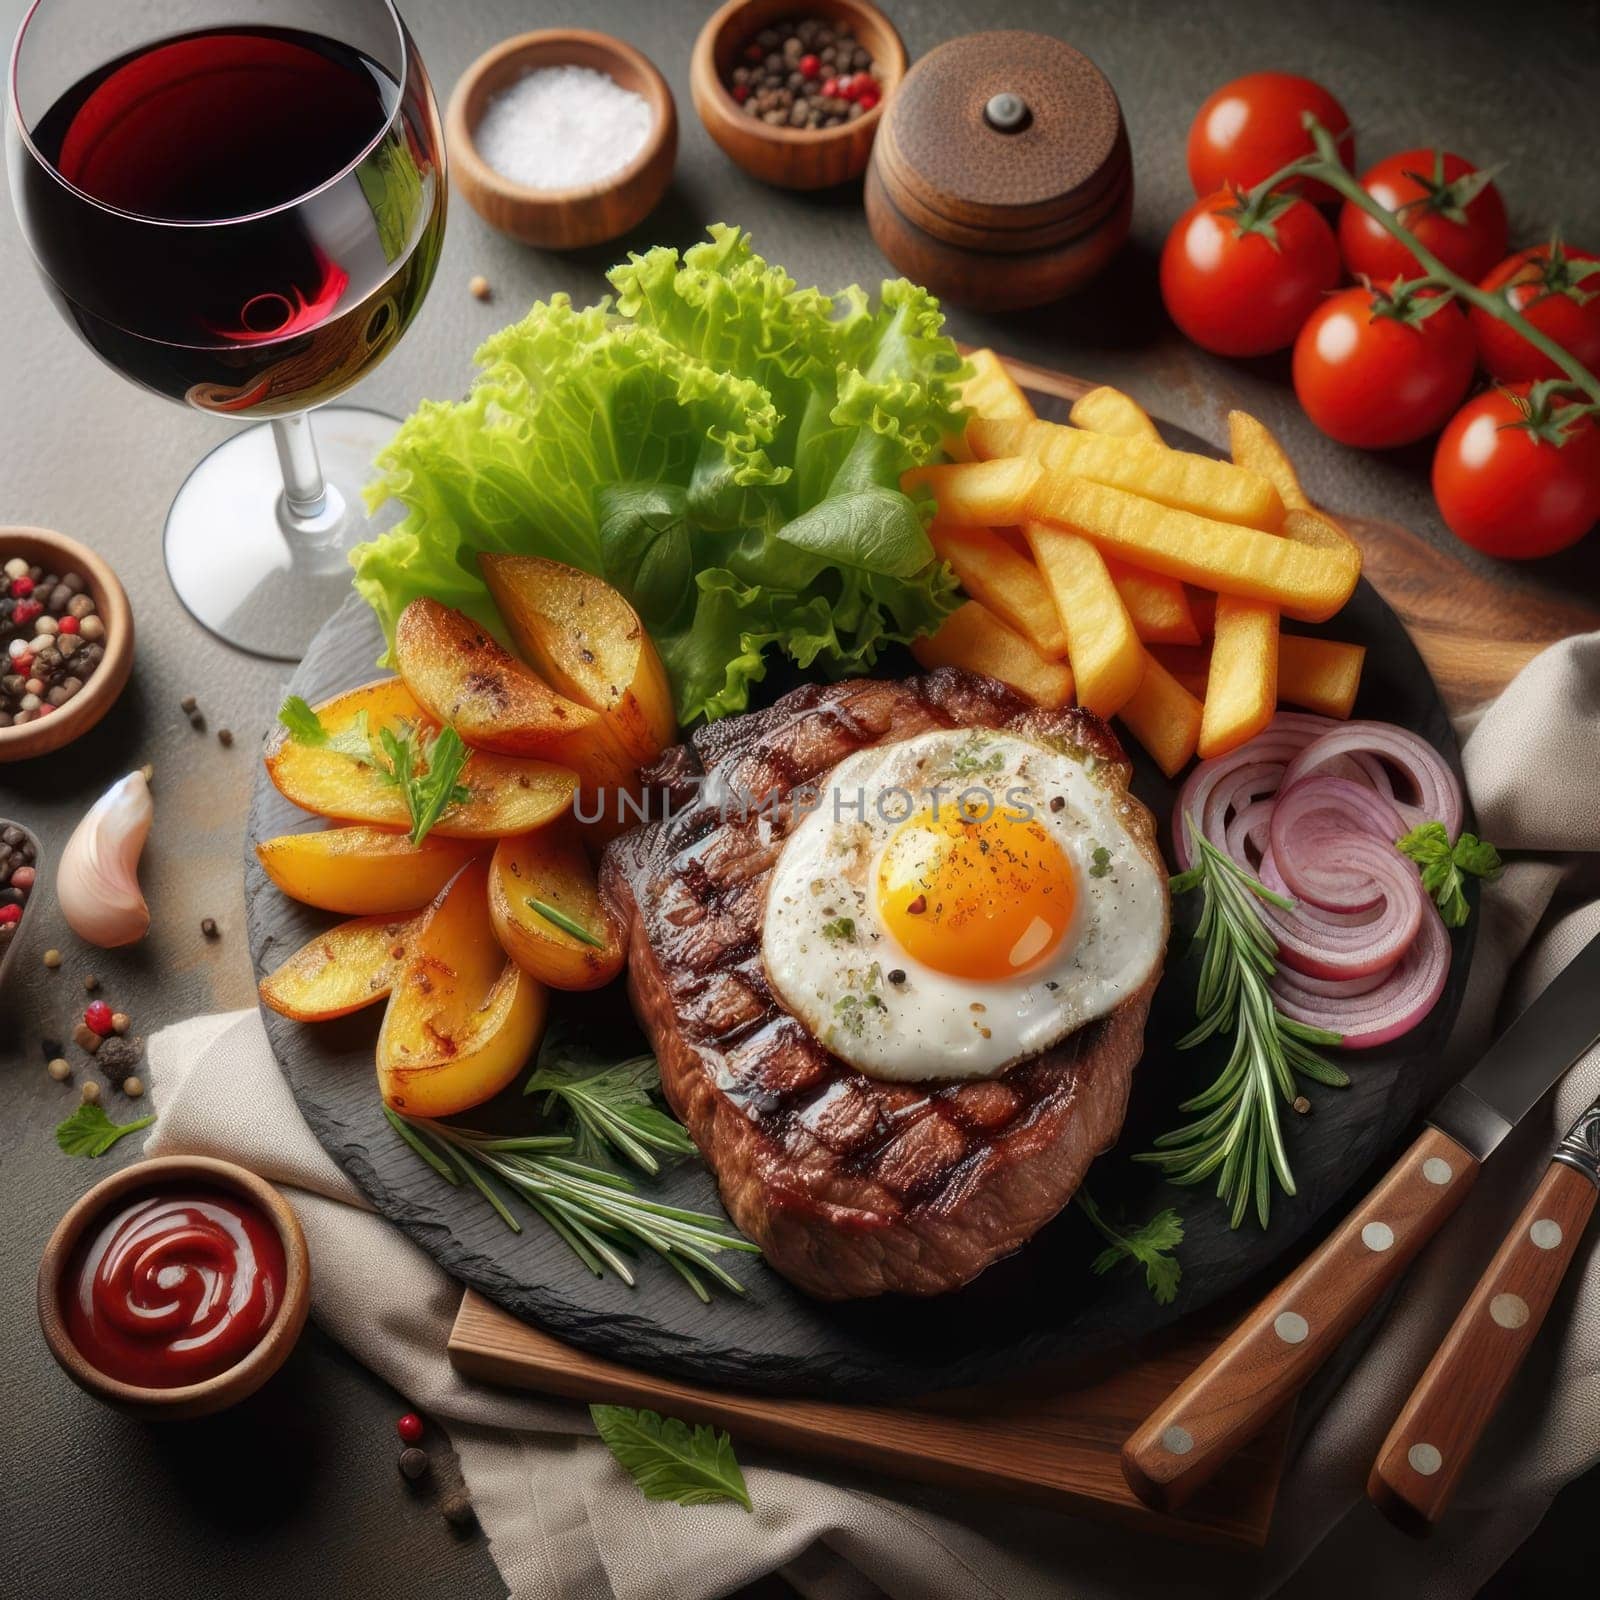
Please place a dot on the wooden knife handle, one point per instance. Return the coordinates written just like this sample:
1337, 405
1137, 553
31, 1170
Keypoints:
1430, 1444
1280, 1344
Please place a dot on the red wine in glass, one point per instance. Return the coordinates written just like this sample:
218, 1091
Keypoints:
244, 220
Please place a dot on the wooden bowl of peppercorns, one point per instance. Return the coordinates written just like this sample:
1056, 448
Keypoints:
793, 90
66, 641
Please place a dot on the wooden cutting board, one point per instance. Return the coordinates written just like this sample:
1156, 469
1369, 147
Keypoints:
1044, 1440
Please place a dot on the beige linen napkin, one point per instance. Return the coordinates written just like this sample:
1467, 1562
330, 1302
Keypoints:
566, 1523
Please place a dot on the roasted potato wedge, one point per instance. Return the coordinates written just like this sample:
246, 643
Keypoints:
1102, 647
1319, 674
976, 640
507, 795
1242, 687
1159, 606
463, 1019
1110, 411
1164, 717
587, 643
363, 871
551, 867
343, 969
992, 571
977, 494
1215, 489
1304, 582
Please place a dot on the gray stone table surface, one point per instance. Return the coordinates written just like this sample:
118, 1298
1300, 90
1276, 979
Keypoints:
302, 1495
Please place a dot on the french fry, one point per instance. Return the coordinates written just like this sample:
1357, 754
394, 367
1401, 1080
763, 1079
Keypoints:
1242, 689
1102, 647
1319, 674
1190, 664
991, 391
1009, 584
1255, 448
1305, 582
1110, 411
1164, 717
1159, 606
978, 641
978, 494
1215, 489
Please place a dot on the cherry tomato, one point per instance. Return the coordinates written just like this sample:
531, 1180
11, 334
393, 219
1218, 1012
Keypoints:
1242, 288
1251, 127
1375, 369
1451, 207
1504, 486
1558, 291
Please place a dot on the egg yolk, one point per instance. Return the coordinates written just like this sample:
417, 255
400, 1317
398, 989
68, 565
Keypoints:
976, 897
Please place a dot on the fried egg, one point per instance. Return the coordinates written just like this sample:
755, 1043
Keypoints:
959, 901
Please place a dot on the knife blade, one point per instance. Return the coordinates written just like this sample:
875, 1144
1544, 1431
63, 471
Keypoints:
1416, 1472
1287, 1337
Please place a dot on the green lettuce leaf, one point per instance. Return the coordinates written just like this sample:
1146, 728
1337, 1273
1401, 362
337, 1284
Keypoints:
723, 445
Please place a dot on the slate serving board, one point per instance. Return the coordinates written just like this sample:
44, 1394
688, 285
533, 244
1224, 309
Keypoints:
1042, 1305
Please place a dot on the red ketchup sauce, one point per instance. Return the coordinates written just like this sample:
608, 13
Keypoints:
173, 1287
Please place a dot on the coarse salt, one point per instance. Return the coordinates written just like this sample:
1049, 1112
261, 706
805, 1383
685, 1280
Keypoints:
562, 128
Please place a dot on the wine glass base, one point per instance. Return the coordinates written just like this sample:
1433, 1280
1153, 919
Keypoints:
227, 544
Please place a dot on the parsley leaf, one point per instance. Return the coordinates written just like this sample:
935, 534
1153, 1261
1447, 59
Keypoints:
1446, 867
668, 1460
1150, 1245
90, 1132
611, 1103
426, 768
840, 928
305, 727
1101, 861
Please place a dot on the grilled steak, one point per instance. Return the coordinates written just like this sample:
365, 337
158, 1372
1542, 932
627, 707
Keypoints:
851, 1186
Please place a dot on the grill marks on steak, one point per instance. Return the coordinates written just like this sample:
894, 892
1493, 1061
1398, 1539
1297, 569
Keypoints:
852, 1186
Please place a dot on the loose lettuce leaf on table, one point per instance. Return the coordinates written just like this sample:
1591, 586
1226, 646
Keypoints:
724, 446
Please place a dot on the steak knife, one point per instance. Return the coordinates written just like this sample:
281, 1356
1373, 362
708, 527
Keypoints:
1285, 1339
1431, 1442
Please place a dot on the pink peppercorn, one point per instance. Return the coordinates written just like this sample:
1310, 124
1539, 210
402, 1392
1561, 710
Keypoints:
25, 610
22, 587
409, 1427
97, 1014
10, 914
67, 625
810, 66
867, 99
741, 92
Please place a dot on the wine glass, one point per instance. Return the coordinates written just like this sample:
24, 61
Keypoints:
242, 216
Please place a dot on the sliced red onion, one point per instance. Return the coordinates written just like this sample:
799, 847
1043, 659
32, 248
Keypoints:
1312, 824
1365, 1019
1435, 794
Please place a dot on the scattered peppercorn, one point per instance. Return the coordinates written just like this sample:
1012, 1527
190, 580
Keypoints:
198, 722
90, 983
413, 1463
132, 1087
1302, 1105
456, 1509
86, 1038
409, 1427
117, 1058
188, 705
478, 287
208, 926
59, 1069
897, 977
120, 1022
98, 1015
52, 641
52, 959
225, 738
89, 1090
805, 72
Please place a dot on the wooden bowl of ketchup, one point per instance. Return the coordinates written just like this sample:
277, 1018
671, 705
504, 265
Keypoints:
175, 1288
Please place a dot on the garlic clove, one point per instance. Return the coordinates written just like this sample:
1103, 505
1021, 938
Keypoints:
97, 883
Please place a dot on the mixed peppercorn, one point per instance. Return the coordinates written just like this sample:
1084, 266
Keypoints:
54, 639
18, 870
805, 73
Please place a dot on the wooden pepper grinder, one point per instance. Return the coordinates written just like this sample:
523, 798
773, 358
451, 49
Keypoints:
1001, 176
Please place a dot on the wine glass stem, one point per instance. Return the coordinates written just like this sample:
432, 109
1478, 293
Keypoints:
305, 492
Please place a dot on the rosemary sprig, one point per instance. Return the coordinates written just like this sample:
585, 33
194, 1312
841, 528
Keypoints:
596, 1212
612, 1106
570, 925
1238, 1135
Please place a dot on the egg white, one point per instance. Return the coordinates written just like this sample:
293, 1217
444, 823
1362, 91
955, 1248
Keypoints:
930, 1025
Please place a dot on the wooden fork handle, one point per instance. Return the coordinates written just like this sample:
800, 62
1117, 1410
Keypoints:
1429, 1446
1279, 1345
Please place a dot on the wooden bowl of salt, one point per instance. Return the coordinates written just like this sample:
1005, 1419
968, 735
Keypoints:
562, 137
